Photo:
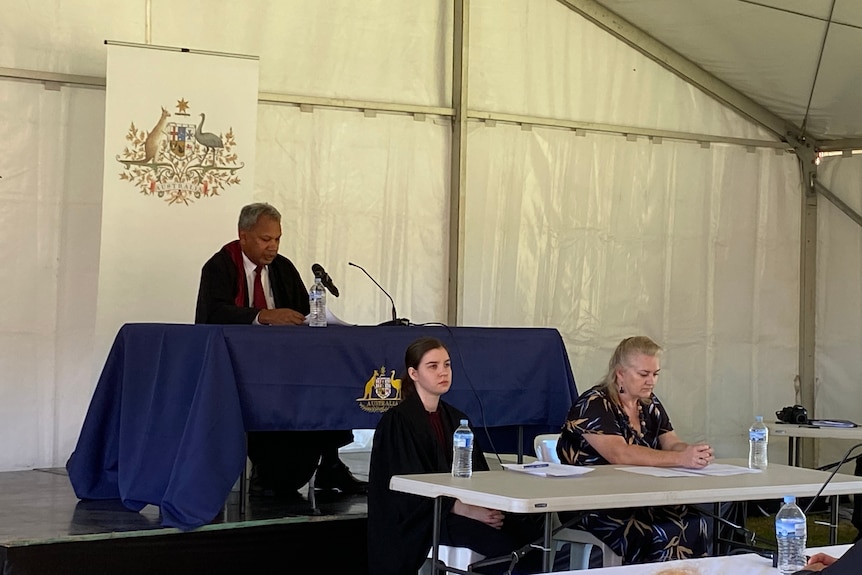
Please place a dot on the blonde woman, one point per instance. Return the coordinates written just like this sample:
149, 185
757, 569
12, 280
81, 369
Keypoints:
620, 421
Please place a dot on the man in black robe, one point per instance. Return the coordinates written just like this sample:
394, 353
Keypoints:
249, 282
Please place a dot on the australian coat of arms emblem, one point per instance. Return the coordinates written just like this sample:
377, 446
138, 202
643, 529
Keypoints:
381, 392
177, 160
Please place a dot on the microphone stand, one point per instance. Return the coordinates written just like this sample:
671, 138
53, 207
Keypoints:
395, 319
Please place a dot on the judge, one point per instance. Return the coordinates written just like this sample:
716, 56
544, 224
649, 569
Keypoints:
248, 282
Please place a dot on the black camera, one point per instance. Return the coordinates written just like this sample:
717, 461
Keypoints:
793, 414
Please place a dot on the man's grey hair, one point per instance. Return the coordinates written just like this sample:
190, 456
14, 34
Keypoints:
249, 215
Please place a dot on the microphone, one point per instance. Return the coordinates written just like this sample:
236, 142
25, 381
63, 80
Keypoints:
319, 272
395, 319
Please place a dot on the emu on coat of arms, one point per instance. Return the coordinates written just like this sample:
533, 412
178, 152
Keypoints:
382, 391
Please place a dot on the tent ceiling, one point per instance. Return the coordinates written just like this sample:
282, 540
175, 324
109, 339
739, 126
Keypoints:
769, 51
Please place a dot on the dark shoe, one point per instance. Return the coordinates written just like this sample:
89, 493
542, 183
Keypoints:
258, 490
338, 476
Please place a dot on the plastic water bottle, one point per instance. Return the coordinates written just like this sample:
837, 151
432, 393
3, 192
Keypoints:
791, 531
462, 451
758, 439
317, 303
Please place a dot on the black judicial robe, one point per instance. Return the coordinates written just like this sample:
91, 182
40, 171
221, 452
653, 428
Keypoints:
400, 524
218, 290
848, 564
285, 458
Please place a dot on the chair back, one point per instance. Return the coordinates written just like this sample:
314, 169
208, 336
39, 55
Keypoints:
457, 557
580, 542
545, 447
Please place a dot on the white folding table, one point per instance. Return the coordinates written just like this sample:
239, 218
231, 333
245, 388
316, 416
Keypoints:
607, 487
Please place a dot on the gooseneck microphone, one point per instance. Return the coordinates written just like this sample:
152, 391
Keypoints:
395, 319
319, 272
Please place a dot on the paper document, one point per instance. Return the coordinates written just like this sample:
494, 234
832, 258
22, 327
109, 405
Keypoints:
331, 319
831, 423
715, 469
547, 469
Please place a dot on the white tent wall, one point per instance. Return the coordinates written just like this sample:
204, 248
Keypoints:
697, 247
371, 191
839, 302
380, 50
604, 238
541, 59
50, 202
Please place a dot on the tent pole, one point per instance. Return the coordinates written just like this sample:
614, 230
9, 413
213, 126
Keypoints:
807, 294
458, 158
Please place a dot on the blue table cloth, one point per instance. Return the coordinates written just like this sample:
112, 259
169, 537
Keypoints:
166, 424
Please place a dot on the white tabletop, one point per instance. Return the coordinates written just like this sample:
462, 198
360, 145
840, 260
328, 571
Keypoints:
791, 430
607, 487
746, 564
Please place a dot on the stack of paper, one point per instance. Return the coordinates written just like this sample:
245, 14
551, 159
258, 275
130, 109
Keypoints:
711, 469
831, 423
547, 469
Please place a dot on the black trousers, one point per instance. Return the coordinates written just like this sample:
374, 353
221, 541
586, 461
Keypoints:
287, 459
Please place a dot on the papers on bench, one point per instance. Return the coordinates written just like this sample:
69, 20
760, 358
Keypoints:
547, 469
331, 319
830, 423
717, 469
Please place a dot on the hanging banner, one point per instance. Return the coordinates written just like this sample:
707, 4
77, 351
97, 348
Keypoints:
180, 131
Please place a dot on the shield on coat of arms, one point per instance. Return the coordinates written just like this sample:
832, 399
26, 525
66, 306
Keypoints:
181, 137
383, 386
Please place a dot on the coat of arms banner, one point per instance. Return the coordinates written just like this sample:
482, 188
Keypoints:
180, 132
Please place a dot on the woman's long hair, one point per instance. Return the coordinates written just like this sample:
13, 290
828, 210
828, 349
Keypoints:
630, 346
413, 357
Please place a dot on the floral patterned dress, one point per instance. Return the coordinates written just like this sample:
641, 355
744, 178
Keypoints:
643, 534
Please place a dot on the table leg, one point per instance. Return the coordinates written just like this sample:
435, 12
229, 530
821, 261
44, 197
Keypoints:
833, 520
520, 444
546, 547
797, 452
435, 537
243, 491
243, 484
790, 441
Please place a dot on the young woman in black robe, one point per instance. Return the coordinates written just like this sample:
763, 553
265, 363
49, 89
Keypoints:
416, 437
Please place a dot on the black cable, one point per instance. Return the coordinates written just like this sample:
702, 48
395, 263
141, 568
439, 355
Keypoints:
537, 544
749, 535
817, 69
798, 13
470, 383
831, 475
829, 466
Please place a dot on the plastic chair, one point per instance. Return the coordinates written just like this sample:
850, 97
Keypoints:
458, 557
580, 542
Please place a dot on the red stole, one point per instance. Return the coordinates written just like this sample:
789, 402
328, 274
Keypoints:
241, 299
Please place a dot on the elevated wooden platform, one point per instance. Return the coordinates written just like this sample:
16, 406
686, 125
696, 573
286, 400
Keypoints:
44, 528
